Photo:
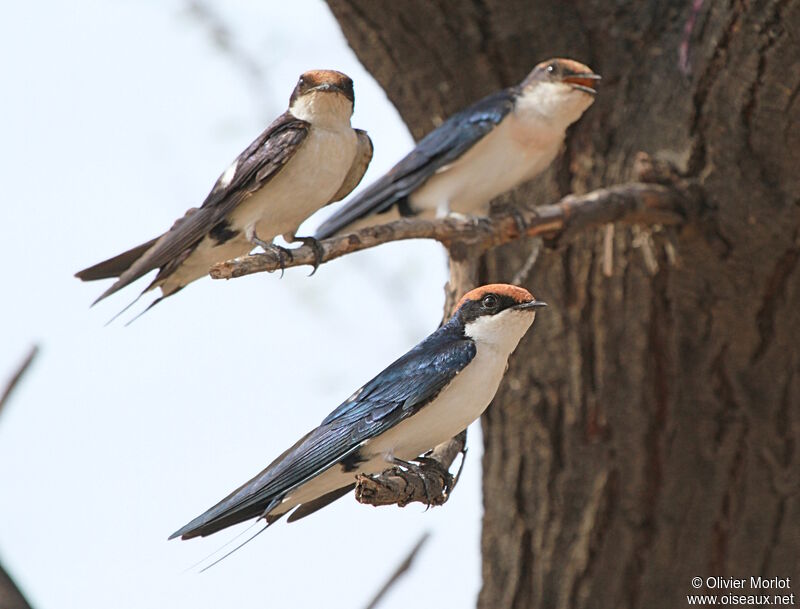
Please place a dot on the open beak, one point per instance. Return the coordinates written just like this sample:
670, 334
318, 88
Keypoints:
583, 82
531, 304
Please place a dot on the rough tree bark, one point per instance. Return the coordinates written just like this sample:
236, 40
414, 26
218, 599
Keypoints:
646, 432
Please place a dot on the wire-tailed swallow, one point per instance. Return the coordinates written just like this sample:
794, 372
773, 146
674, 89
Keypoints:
424, 398
479, 153
308, 157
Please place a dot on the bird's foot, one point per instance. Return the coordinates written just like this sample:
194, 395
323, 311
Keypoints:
455, 215
507, 209
477, 221
430, 464
315, 246
256, 240
423, 468
409, 465
519, 219
282, 253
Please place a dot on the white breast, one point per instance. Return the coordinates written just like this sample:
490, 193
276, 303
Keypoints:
456, 406
465, 398
515, 151
305, 184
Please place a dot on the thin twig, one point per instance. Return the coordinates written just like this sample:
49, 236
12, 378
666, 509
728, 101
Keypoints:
522, 274
398, 572
10, 595
608, 251
15, 378
634, 202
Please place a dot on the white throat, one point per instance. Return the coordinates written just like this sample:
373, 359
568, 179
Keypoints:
464, 399
557, 105
323, 109
501, 332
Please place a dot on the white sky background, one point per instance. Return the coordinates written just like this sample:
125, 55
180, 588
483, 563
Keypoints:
115, 118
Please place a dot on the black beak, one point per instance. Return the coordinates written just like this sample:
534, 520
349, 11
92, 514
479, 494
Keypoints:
532, 304
327, 87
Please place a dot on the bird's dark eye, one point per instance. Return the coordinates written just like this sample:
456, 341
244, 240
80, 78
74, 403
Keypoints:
551, 68
489, 301
301, 82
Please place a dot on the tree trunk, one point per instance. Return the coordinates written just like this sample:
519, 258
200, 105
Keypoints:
646, 432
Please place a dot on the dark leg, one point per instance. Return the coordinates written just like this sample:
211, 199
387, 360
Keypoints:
282, 253
316, 247
427, 463
501, 210
420, 469
519, 219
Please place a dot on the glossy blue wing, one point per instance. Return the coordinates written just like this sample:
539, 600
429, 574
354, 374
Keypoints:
394, 394
439, 148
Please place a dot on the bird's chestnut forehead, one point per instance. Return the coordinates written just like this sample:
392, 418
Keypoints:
516, 293
314, 78
570, 66
310, 80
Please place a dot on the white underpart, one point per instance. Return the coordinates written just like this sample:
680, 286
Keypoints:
305, 184
518, 149
458, 405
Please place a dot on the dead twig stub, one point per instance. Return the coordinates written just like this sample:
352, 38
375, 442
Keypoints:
430, 485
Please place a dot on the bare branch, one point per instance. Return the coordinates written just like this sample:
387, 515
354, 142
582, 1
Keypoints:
635, 203
15, 378
523, 272
398, 572
10, 595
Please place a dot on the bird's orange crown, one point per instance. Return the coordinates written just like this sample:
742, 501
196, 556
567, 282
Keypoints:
519, 294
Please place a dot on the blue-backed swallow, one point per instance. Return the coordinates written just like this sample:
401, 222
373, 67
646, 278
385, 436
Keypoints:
489, 148
308, 157
429, 395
